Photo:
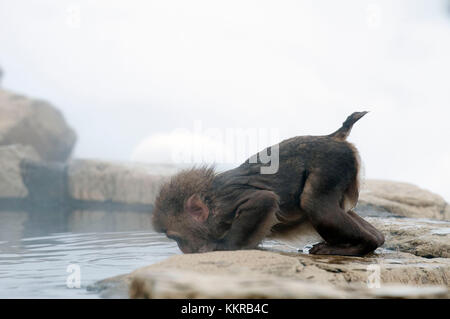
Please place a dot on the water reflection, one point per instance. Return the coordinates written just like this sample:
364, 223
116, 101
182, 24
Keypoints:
37, 247
12, 225
101, 221
19, 224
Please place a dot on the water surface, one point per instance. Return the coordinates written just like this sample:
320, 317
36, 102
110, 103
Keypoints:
37, 248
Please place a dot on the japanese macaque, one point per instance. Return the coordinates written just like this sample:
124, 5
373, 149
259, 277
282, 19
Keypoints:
313, 192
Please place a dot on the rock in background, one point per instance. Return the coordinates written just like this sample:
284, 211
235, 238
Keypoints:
27, 123
97, 182
421, 237
102, 181
78, 184
401, 199
35, 147
11, 182
36, 143
36, 123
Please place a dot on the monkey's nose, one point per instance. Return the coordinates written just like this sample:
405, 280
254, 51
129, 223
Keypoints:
207, 248
203, 249
186, 249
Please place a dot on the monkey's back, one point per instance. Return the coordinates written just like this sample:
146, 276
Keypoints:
335, 160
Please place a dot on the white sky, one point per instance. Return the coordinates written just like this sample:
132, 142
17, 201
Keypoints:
124, 71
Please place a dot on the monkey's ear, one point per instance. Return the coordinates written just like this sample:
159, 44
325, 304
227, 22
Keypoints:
196, 208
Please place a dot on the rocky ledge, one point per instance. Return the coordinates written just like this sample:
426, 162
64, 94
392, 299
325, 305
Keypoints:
28, 181
412, 264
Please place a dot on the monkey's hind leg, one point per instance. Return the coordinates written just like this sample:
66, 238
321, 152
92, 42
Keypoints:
345, 233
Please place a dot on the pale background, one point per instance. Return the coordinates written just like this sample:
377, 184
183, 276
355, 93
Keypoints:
124, 71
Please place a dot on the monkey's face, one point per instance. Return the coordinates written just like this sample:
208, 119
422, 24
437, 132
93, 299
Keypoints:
188, 227
190, 242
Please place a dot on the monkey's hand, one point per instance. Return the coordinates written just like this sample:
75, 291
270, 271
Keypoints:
319, 249
253, 220
342, 249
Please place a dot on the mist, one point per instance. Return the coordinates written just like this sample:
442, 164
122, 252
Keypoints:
125, 72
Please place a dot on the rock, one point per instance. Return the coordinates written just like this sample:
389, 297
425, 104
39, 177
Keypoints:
189, 284
185, 284
25, 182
115, 287
266, 274
46, 183
413, 263
131, 183
422, 237
425, 238
402, 199
36, 123
11, 182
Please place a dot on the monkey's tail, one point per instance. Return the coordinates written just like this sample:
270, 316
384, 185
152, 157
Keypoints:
346, 127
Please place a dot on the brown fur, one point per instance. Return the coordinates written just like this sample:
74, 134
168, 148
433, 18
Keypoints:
315, 188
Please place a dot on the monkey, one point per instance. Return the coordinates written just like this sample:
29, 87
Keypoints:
314, 191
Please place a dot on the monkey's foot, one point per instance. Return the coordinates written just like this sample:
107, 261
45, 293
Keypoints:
344, 250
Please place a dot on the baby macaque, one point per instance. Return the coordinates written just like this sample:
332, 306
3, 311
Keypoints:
314, 190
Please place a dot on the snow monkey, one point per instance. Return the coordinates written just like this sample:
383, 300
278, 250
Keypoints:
313, 192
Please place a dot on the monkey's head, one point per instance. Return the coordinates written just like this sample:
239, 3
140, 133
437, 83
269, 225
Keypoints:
182, 210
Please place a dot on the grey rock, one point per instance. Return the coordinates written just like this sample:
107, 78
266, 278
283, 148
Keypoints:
115, 287
421, 237
78, 184
401, 199
37, 123
11, 182
131, 183
46, 183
